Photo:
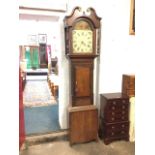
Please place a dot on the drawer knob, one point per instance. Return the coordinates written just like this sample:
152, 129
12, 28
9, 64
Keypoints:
123, 125
112, 133
113, 107
123, 117
113, 127
112, 118
122, 132
124, 101
123, 107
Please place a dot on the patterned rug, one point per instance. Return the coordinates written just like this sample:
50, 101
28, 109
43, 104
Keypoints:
37, 93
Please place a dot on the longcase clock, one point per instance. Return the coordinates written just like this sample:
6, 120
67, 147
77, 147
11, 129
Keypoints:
82, 41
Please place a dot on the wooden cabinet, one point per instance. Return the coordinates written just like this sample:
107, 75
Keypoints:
83, 124
82, 82
114, 117
128, 85
43, 56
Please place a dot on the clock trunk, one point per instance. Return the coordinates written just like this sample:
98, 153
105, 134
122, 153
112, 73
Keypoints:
82, 81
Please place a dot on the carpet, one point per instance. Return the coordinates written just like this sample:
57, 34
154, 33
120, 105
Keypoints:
41, 119
37, 93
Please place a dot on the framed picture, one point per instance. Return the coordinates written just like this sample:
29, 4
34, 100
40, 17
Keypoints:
132, 18
32, 39
42, 38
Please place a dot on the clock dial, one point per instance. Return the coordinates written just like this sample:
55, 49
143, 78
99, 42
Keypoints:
82, 41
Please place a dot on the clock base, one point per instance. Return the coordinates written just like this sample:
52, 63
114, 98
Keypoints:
83, 124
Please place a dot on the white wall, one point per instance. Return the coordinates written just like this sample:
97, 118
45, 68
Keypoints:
117, 46
117, 50
32, 27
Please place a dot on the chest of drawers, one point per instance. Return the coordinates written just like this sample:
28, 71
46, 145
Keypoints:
114, 117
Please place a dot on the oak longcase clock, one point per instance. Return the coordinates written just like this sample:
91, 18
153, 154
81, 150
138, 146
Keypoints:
82, 42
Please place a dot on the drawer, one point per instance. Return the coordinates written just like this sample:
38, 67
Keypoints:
119, 129
116, 118
116, 126
116, 113
117, 108
117, 104
119, 133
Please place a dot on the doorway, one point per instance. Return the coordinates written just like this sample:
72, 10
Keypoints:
40, 77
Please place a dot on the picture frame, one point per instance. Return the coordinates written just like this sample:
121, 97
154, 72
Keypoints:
132, 18
32, 39
42, 38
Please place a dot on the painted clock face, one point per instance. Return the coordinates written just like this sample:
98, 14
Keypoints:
82, 41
